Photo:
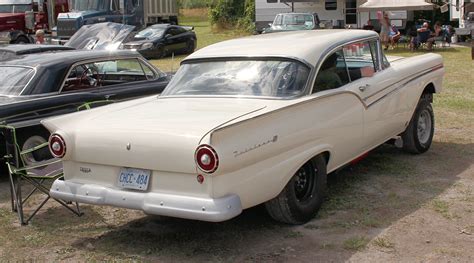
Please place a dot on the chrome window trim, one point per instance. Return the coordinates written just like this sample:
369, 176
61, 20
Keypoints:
332, 49
29, 81
304, 91
102, 59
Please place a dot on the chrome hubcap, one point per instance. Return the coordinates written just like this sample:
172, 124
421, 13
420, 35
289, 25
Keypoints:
424, 127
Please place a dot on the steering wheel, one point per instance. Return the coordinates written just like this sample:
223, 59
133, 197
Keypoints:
87, 76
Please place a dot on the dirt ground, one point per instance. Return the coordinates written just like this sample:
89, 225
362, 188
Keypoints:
390, 207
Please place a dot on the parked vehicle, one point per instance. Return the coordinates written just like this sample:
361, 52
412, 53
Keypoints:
292, 22
19, 19
160, 40
37, 86
260, 119
139, 13
15, 50
463, 11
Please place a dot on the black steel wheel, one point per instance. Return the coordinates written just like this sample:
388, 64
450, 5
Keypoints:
302, 197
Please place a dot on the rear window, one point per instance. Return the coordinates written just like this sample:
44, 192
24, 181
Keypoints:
14, 79
262, 78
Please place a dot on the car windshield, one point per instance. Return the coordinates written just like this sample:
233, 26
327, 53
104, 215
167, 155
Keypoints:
305, 20
263, 78
86, 5
14, 79
151, 32
15, 8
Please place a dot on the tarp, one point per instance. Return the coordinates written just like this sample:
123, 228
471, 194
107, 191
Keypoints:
392, 5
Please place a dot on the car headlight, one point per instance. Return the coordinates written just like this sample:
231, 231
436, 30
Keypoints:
147, 45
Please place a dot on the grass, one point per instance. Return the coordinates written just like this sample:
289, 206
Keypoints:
442, 207
356, 243
383, 242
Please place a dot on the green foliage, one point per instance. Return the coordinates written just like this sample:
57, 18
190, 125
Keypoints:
195, 3
233, 14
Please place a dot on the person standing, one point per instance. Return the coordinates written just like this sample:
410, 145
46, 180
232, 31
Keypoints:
385, 26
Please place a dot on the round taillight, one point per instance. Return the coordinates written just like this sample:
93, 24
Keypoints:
57, 146
206, 158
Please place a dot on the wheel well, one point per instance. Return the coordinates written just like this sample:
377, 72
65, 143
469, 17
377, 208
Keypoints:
428, 91
326, 155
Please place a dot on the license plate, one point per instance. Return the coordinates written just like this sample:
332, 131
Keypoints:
131, 178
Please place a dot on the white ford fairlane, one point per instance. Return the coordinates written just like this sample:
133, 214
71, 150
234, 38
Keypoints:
260, 119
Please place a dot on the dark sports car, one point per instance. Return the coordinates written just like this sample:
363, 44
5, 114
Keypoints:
36, 86
161, 40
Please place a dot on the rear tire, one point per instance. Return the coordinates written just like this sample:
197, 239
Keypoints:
190, 46
21, 40
418, 136
302, 197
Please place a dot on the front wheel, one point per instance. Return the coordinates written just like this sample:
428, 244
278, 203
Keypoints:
302, 197
418, 136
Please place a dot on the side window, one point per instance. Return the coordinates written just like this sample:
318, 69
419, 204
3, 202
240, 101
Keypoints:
360, 60
106, 73
278, 20
332, 73
148, 71
331, 4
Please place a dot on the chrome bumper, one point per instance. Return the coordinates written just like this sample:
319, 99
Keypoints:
196, 208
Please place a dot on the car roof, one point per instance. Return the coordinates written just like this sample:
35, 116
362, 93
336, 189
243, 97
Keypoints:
66, 57
307, 45
32, 48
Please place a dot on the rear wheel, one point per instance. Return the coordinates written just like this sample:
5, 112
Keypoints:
190, 46
418, 136
302, 197
21, 40
29, 140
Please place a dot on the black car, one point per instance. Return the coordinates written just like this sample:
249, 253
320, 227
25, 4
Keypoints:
36, 86
15, 50
161, 40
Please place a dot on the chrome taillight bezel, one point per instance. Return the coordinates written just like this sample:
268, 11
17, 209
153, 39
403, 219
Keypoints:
202, 150
56, 138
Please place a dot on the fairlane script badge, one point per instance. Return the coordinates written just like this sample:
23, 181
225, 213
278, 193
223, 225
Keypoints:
85, 169
256, 146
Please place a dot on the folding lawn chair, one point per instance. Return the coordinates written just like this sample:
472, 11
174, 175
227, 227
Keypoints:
40, 176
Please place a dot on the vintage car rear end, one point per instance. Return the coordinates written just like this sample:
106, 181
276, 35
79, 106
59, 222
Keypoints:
243, 124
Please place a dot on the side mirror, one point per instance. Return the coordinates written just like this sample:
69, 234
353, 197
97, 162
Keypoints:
270, 24
167, 36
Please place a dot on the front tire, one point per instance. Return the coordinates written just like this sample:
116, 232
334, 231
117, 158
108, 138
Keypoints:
302, 197
418, 136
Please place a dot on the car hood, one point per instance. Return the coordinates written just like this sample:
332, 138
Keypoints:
101, 36
159, 131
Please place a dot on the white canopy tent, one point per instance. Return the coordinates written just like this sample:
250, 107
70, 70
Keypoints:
391, 5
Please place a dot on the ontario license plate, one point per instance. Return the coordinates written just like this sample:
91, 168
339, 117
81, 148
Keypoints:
131, 178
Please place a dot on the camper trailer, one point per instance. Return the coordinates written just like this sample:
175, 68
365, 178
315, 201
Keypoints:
332, 13
463, 11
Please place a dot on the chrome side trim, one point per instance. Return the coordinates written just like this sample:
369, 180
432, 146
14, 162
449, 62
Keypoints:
335, 92
174, 205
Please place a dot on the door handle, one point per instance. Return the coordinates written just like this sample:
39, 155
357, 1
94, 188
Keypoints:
363, 88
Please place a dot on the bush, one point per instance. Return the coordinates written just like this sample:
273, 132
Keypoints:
233, 13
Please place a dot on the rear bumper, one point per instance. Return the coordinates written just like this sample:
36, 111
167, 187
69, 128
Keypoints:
188, 207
